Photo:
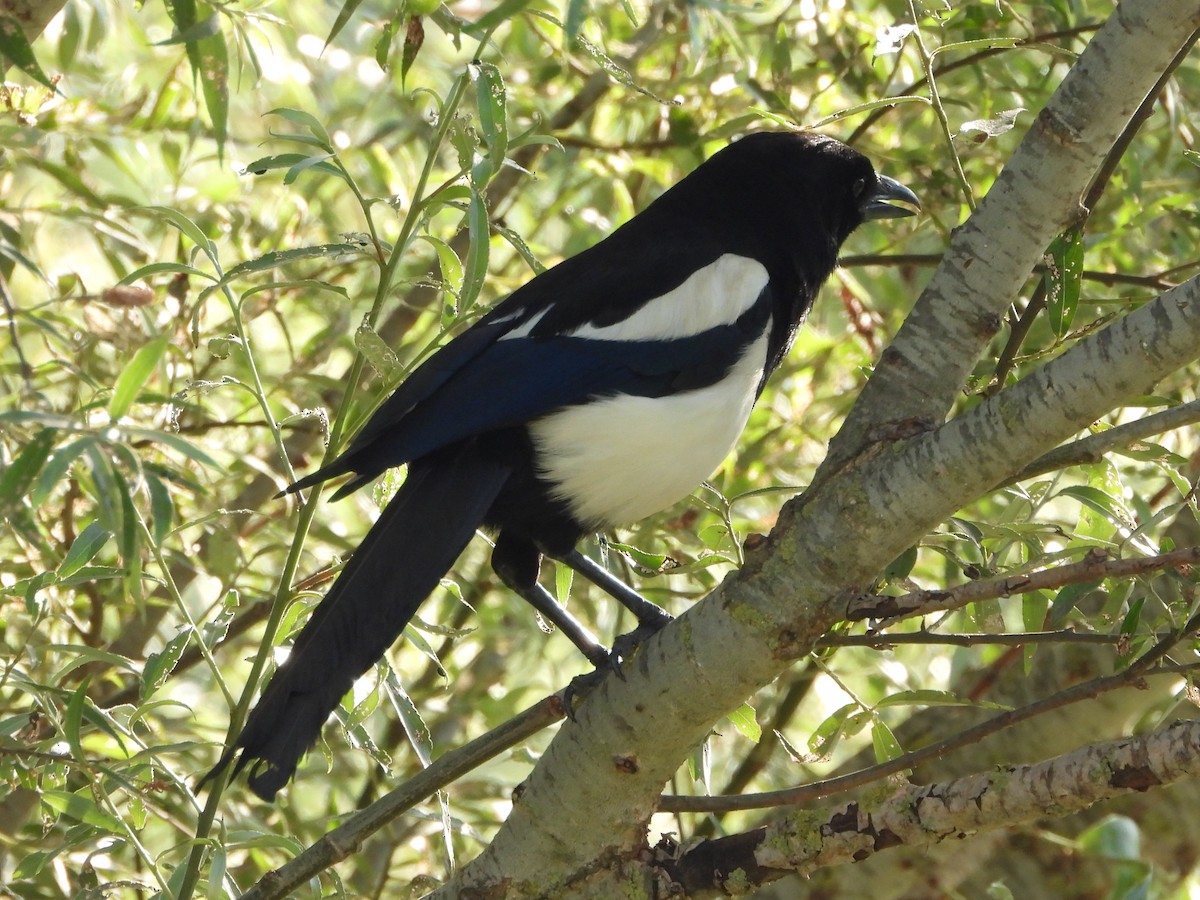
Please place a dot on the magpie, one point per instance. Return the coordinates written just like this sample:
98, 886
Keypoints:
600, 392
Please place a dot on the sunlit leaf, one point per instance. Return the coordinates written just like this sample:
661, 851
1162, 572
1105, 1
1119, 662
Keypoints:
135, 375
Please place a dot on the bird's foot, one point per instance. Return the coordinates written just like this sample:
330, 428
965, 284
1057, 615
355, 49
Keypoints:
626, 644
623, 649
580, 687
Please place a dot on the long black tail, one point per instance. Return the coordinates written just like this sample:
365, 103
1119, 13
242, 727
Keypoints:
407, 551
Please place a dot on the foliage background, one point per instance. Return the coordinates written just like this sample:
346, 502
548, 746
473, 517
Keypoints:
196, 254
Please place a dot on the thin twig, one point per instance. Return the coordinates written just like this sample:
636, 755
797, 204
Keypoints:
1017, 638
1094, 567
1159, 281
1094, 447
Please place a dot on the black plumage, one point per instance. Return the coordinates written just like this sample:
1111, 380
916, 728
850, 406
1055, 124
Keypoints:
563, 409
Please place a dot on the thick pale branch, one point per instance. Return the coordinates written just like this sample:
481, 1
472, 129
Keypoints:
918, 816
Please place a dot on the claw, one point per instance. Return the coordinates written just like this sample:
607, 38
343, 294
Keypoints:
579, 688
626, 644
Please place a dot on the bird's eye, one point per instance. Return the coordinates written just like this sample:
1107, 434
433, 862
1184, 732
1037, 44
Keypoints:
860, 188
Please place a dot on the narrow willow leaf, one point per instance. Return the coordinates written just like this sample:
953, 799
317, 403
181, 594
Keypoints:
164, 267
344, 15
1064, 279
745, 720
449, 264
17, 477
83, 809
135, 375
277, 258
307, 120
84, 549
378, 354
563, 576
15, 47
884, 742
475, 270
189, 229
205, 28
160, 665
490, 102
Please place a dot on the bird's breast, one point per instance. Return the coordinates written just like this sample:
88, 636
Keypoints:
619, 459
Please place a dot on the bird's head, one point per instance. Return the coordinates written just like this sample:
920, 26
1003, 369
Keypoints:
800, 193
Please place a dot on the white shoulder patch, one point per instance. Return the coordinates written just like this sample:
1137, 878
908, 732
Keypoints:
715, 295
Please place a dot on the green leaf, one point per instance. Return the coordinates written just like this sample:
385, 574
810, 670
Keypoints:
383, 46
573, 19
33, 863
490, 102
15, 47
205, 28
1064, 278
745, 720
901, 566
189, 229
299, 117
344, 15
83, 809
159, 268
617, 72
211, 61
84, 549
277, 258
1095, 499
518, 244
844, 722
1129, 624
449, 263
1066, 599
644, 562
376, 352
410, 718
925, 697
477, 254
498, 14
56, 469
73, 720
177, 443
563, 576
20, 473
295, 163
159, 666
162, 508
317, 163
884, 742
1113, 837
135, 375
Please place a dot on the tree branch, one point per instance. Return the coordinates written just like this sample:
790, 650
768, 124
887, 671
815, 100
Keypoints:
1094, 567
918, 816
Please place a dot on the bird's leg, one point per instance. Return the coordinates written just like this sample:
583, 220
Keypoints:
647, 613
517, 563
650, 616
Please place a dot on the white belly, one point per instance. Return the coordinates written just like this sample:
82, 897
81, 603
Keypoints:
618, 460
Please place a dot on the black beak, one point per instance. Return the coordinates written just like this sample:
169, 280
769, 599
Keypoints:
888, 191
